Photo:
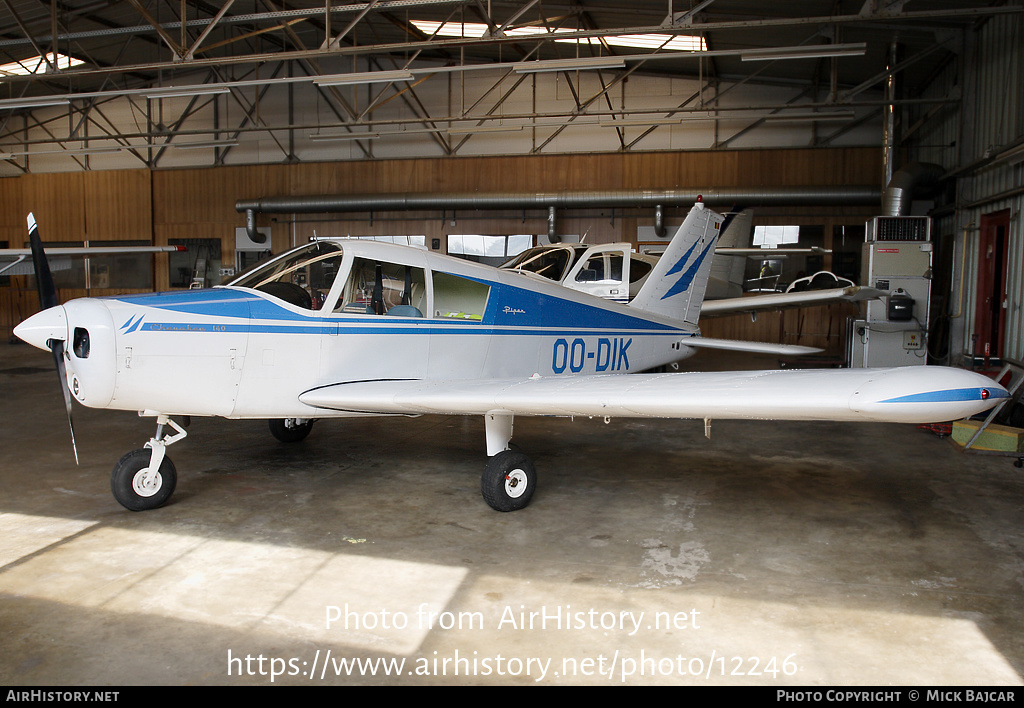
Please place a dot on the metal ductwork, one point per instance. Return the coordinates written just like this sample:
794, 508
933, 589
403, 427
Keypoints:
250, 228
550, 201
657, 199
659, 221
913, 180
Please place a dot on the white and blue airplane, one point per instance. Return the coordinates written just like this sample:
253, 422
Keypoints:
341, 328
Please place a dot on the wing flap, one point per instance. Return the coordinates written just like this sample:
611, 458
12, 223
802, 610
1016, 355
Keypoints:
905, 395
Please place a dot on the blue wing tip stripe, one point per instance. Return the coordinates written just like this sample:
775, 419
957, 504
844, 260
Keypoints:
957, 394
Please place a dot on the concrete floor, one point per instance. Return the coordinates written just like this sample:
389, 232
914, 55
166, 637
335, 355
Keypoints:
774, 554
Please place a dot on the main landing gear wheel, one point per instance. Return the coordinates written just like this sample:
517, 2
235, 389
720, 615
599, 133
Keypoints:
291, 430
508, 481
136, 488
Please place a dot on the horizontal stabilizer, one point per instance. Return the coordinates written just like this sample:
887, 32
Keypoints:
735, 345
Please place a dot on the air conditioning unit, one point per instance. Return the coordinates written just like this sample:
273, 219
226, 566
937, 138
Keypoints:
896, 258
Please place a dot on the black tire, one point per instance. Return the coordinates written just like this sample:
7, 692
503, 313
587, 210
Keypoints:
508, 481
280, 429
125, 481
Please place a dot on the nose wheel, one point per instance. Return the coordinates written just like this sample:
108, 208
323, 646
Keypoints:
145, 478
136, 485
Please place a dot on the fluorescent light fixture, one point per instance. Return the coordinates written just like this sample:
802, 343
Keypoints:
82, 151
199, 145
589, 63
677, 43
485, 129
1012, 155
640, 121
185, 91
810, 116
10, 104
365, 77
816, 51
343, 136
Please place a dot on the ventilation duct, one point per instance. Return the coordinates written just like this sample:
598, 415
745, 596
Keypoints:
916, 179
548, 201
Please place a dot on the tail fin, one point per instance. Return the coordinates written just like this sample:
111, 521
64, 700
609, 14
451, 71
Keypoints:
727, 271
675, 288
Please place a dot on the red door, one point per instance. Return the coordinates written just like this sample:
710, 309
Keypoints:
990, 312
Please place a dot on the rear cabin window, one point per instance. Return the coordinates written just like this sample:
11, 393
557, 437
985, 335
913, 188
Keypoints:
458, 298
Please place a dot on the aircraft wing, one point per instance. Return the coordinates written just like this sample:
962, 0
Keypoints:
917, 394
781, 301
18, 261
771, 252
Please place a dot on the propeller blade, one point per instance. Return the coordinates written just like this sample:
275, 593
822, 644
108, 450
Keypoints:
47, 299
44, 280
57, 347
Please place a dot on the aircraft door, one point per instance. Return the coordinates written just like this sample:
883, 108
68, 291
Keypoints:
375, 321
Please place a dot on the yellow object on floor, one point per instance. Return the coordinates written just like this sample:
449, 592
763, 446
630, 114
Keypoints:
994, 437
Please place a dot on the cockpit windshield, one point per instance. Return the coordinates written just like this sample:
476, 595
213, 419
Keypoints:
302, 277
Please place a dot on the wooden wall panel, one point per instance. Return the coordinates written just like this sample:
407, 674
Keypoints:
118, 205
209, 195
823, 327
58, 202
200, 203
12, 219
10, 203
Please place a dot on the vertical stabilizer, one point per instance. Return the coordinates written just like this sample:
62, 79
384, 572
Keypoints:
727, 271
675, 288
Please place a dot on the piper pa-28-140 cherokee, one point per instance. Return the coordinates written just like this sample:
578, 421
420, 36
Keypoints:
348, 327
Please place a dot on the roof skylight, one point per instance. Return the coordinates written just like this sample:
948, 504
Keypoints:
37, 65
679, 43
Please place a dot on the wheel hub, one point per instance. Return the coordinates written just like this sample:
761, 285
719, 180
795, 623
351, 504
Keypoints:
145, 483
516, 483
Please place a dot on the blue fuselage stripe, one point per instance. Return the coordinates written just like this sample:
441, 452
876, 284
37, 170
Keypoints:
343, 327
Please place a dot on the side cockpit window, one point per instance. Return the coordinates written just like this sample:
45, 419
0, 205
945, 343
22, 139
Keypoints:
302, 278
381, 288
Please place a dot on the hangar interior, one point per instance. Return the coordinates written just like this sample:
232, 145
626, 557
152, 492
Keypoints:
766, 554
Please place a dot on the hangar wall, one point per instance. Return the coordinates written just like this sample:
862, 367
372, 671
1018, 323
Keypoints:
162, 205
974, 138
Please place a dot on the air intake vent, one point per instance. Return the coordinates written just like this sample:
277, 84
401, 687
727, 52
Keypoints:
900, 228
